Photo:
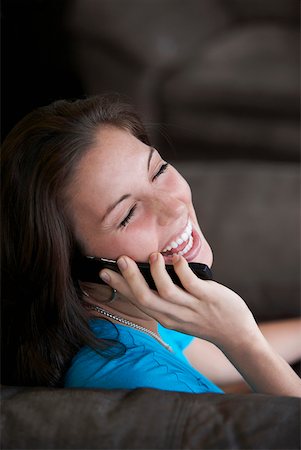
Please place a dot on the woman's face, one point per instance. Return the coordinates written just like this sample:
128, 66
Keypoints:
126, 200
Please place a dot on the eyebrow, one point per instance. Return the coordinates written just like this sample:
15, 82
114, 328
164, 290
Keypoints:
125, 196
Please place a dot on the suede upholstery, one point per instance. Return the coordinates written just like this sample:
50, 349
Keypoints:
219, 76
146, 419
249, 211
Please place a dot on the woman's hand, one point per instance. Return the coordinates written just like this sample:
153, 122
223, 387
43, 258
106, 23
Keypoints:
210, 311
205, 309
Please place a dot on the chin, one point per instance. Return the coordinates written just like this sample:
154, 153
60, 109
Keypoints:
205, 255
201, 251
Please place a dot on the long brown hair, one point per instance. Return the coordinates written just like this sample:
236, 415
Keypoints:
43, 320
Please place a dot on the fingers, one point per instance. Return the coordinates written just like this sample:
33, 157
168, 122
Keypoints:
144, 298
172, 306
191, 283
133, 285
137, 283
164, 284
116, 281
204, 309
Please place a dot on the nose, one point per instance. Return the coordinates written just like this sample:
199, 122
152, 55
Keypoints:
167, 208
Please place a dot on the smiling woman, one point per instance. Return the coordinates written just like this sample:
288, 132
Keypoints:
147, 204
82, 179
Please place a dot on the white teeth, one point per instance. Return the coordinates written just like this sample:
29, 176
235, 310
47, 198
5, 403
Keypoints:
183, 238
188, 247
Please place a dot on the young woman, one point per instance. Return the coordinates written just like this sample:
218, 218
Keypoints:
81, 178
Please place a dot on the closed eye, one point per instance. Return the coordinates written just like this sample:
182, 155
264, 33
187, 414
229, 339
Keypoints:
127, 219
160, 171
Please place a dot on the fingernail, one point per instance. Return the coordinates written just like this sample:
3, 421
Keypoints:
153, 257
175, 259
105, 277
122, 264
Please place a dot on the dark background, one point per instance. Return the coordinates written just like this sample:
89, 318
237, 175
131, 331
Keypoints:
211, 74
36, 67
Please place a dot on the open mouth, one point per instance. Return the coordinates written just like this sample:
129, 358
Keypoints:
185, 244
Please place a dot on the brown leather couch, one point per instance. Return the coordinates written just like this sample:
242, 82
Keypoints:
217, 78
38, 418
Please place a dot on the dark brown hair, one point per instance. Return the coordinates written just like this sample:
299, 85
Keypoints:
43, 320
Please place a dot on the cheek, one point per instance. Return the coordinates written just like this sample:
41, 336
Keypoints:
138, 243
179, 186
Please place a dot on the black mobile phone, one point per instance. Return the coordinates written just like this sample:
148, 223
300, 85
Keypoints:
87, 268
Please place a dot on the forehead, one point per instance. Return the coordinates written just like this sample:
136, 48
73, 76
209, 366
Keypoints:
114, 145
112, 138
109, 168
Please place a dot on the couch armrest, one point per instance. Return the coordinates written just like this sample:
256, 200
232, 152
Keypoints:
35, 418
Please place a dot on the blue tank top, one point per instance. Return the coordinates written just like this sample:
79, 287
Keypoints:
145, 363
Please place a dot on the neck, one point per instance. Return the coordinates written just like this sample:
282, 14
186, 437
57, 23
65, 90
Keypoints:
131, 324
122, 307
